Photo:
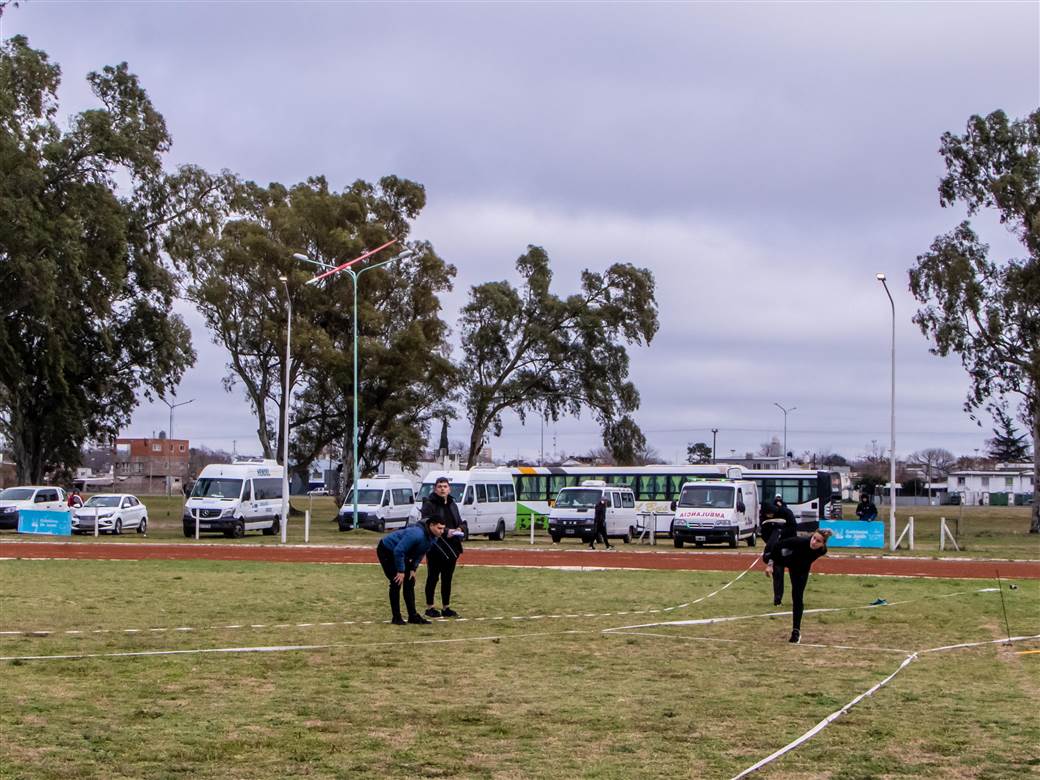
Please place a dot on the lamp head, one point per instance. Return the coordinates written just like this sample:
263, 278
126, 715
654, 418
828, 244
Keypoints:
299, 256
881, 277
283, 278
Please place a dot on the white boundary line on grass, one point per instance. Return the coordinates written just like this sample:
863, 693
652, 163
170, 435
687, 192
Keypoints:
867, 693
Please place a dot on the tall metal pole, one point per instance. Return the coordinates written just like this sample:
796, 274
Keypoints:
892, 445
714, 435
169, 443
354, 486
285, 415
785, 411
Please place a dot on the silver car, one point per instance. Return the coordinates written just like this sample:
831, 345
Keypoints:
113, 512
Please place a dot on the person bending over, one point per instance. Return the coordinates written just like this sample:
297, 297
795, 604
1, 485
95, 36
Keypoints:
400, 554
442, 557
797, 554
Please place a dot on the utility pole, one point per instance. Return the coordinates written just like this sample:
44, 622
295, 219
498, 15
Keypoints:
714, 436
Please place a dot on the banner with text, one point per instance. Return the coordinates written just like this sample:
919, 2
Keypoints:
53, 522
855, 533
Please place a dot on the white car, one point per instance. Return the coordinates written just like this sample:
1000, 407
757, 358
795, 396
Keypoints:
14, 499
115, 512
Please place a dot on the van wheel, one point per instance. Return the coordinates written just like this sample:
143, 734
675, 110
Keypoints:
276, 526
465, 532
239, 530
555, 538
627, 538
733, 539
679, 543
142, 527
189, 532
382, 525
751, 540
499, 534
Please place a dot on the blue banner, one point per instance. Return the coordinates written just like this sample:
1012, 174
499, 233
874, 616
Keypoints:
54, 522
855, 533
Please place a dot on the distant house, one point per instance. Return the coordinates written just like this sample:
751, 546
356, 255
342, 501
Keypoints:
153, 466
1008, 483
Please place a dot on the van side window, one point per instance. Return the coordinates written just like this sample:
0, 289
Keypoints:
481, 494
267, 489
617, 500
492, 493
507, 493
628, 501
401, 496
386, 498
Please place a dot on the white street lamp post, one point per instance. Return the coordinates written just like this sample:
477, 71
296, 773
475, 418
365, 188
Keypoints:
285, 412
785, 411
892, 445
169, 443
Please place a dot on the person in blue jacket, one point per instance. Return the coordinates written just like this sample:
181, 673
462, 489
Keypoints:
400, 554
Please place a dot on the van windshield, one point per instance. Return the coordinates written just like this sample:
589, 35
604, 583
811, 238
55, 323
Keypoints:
571, 499
217, 487
705, 497
427, 490
366, 497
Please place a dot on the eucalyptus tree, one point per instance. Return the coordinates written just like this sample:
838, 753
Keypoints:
236, 272
529, 350
988, 311
85, 213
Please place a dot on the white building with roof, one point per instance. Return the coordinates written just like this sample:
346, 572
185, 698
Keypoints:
976, 486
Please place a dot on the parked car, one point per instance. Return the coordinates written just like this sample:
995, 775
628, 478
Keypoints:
115, 513
14, 499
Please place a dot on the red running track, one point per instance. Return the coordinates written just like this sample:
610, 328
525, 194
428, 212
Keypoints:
647, 559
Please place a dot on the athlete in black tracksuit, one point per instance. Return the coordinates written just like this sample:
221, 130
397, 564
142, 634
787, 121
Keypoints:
778, 523
445, 552
797, 554
600, 520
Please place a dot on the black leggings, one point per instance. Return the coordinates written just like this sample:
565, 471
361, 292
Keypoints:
443, 568
799, 579
386, 560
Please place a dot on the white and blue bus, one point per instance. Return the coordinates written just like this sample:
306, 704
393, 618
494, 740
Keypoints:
811, 495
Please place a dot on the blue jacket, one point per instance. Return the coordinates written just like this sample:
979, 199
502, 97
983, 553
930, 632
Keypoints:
408, 545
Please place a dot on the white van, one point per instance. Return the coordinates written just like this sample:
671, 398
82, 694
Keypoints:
236, 497
573, 514
716, 511
385, 501
486, 499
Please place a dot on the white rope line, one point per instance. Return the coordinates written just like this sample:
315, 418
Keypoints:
870, 692
283, 648
715, 593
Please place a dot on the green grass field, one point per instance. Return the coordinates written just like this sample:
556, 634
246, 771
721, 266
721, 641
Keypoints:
984, 532
518, 690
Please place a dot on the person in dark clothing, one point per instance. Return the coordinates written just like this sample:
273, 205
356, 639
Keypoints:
442, 557
400, 554
866, 509
779, 524
600, 531
797, 554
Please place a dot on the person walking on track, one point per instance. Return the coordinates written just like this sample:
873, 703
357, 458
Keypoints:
445, 552
400, 554
797, 554
601, 525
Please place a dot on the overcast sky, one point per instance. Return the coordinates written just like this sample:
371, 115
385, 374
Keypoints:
763, 160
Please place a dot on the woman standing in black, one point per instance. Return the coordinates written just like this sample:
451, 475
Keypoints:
797, 554
442, 557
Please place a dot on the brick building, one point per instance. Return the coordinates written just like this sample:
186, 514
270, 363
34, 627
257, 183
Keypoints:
154, 466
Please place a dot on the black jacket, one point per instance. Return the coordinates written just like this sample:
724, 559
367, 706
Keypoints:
794, 553
448, 511
778, 517
600, 515
866, 509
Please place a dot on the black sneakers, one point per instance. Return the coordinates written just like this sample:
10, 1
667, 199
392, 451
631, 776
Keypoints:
418, 620
776, 602
449, 613
796, 637
432, 612
398, 621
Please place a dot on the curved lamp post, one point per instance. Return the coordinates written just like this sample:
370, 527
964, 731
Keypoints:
892, 444
785, 411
